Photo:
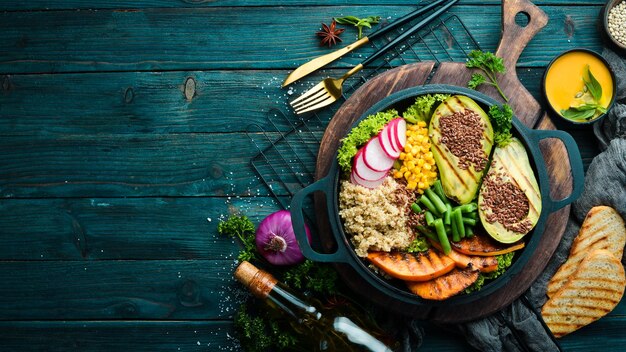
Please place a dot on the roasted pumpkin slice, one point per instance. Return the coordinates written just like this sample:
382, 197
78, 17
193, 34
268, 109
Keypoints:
483, 264
484, 246
446, 285
421, 266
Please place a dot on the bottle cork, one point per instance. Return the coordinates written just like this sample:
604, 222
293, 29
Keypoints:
259, 282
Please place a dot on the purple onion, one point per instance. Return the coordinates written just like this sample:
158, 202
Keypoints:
276, 241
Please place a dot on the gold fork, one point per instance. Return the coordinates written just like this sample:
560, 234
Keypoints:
322, 94
329, 90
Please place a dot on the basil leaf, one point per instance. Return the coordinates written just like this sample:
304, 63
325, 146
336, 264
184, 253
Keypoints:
578, 115
593, 85
584, 107
347, 20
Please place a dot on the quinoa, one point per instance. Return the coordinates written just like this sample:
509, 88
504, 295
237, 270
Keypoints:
375, 218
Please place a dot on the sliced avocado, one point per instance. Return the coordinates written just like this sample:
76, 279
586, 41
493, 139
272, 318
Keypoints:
461, 140
509, 202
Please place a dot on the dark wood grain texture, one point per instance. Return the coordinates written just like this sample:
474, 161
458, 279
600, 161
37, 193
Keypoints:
142, 107
528, 111
145, 40
146, 289
85, 229
142, 4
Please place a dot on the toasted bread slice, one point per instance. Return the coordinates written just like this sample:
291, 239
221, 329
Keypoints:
445, 286
603, 228
589, 294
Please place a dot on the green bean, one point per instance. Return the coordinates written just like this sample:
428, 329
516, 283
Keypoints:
443, 238
429, 218
468, 208
456, 237
458, 219
472, 215
427, 232
416, 208
470, 222
428, 204
469, 232
439, 204
446, 215
439, 190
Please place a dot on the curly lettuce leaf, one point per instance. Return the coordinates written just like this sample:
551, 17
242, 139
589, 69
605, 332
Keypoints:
504, 262
362, 133
423, 107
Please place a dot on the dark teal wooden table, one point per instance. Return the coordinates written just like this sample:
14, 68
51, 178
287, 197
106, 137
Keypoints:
122, 144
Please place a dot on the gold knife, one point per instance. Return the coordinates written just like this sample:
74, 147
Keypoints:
324, 60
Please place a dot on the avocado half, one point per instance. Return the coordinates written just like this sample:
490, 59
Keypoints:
510, 164
460, 184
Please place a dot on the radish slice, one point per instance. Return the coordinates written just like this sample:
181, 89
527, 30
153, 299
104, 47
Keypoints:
354, 178
387, 144
363, 171
374, 156
400, 133
389, 131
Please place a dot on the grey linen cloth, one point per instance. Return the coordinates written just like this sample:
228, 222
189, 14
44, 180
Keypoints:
517, 327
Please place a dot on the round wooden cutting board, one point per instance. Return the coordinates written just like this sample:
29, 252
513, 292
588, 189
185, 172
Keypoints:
527, 109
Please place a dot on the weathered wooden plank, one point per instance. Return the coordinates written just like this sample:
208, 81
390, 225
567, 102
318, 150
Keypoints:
122, 228
148, 102
136, 165
605, 334
118, 336
214, 38
157, 289
139, 102
159, 165
136, 4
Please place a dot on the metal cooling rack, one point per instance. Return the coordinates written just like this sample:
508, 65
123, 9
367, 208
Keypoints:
283, 171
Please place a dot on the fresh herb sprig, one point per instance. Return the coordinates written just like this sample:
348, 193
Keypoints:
359, 23
242, 228
504, 262
490, 65
502, 118
587, 111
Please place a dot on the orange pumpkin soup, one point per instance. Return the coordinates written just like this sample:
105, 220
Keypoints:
564, 85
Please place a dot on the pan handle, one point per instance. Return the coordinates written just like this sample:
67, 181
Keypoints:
324, 185
576, 163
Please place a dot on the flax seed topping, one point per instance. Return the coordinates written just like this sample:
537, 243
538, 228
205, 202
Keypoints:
507, 203
462, 132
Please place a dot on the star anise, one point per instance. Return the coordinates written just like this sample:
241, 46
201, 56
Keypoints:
330, 34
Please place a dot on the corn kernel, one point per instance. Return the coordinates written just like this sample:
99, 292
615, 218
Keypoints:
407, 148
402, 156
427, 166
411, 185
397, 174
403, 169
407, 174
421, 185
421, 123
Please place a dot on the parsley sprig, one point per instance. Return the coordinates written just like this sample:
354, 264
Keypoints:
241, 228
490, 65
502, 118
593, 90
